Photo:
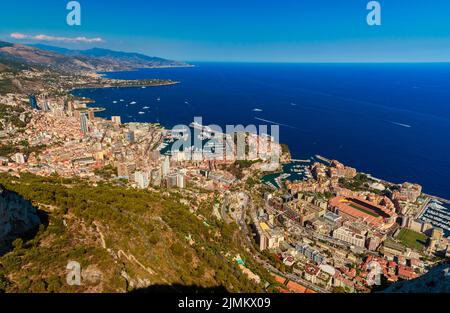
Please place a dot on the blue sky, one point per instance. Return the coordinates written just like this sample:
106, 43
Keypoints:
242, 30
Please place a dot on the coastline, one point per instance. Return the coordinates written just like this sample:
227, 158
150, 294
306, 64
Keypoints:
363, 169
145, 84
105, 73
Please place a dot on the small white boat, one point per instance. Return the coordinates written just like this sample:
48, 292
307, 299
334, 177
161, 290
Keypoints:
133, 102
146, 108
158, 99
141, 112
121, 100
114, 102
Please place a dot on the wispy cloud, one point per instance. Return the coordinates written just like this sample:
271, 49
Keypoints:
43, 37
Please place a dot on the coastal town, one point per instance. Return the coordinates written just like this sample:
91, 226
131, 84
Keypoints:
315, 225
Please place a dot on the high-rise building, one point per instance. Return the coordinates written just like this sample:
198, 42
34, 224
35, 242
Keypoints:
33, 102
91, 115
19, 158
46, 106
372, 243
68, 105
175, 180
267, 237
116, 119
165, 167
84, 123
141, 179
171, 180
156, 177
77, 114
310, 253
122, 170
129, 136
345, 234
437, 233
181, 181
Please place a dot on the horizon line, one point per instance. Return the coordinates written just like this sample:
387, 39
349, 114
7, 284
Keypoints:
243, 61
318, 62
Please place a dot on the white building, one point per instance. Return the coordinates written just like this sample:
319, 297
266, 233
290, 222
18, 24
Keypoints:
181, 181
116, 119
141, 179
19, 158
165, 169
345, 234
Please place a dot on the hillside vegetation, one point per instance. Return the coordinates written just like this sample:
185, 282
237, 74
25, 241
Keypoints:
124, 239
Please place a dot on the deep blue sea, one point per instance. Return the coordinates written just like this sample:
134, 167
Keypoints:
390, 120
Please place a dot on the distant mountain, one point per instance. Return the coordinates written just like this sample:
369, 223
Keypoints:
5, 44
108, 54
16, 56
76, 61
3, 67
52, 48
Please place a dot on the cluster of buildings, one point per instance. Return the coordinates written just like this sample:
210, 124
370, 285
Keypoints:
332, 233
268, 237
76, 143
160, 174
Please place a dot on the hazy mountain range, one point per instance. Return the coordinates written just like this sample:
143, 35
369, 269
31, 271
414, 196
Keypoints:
18, 56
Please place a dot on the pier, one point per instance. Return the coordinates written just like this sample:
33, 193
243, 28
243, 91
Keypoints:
303, 161
321, 158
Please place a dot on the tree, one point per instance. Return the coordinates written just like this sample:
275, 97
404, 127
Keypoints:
18, 244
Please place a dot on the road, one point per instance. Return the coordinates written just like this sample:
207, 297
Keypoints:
269, 267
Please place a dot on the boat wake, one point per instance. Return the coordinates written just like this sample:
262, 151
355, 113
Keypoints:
273, 122
400, 124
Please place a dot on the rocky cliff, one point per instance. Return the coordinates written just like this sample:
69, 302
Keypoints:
436, 280
17, 217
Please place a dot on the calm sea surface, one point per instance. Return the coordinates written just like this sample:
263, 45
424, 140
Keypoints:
390, 120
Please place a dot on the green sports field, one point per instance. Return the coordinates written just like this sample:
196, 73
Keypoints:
412, 239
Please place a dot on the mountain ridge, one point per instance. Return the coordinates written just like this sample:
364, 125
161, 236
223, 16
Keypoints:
77, 61
100, 52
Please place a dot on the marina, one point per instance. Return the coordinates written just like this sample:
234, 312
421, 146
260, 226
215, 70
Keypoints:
296, 170
437, 214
